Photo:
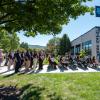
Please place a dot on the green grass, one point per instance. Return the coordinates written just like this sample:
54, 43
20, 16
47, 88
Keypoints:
72, 86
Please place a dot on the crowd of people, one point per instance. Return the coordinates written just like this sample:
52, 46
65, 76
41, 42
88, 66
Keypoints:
33, 59
77, 61
27, 59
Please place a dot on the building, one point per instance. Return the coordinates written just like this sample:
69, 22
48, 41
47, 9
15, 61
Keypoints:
90, 42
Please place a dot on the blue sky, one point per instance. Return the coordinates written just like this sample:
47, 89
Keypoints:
74, 29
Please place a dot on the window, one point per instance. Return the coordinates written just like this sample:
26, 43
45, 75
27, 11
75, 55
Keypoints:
98, 52
77, 49
97, 34
72, 50
97, 40
87, 46
97, 49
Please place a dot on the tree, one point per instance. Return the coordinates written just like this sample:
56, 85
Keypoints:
14, 41
24, 45
40, 16
65, 45
82, 53
53, 45
8, 42
4, 40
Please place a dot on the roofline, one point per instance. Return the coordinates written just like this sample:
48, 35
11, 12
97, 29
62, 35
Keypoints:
86, 33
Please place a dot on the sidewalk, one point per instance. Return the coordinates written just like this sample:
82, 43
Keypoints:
3, 70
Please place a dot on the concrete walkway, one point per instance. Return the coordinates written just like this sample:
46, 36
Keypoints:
4, 71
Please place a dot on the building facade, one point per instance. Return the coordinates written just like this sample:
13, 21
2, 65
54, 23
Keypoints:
90, 42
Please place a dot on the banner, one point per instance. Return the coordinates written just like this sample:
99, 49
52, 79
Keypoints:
97, 11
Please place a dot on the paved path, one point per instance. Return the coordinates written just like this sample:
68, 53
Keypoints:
3, 70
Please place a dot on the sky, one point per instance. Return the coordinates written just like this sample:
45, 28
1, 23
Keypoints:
74, 29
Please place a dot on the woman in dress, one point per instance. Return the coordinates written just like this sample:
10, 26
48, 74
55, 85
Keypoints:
10, 61
41, 59
27, 61
52, 61
94, 62
35, 60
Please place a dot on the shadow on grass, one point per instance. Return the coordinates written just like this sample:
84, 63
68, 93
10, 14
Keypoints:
27, 92
54, 96
32, 93
9, 93
12, 92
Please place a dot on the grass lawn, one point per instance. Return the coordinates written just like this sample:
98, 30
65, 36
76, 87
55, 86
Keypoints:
70, 86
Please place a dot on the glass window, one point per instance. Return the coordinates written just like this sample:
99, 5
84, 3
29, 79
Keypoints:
77, 49
97, 52
97, 34
87, 46
72, 50
97, 40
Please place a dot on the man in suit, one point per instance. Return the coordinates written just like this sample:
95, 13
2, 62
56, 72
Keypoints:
17, 59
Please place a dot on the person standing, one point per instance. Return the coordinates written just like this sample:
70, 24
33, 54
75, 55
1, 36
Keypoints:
1, 57
6, 59
17, 59
12, 54
41, 59
27, 60
31, 59
35, 60
10, 61
22, 58
27, 64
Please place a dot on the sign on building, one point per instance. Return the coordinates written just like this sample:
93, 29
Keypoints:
97, 11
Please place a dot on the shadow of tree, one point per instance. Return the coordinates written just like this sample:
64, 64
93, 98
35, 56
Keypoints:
9, 93
54, 96
36, 93
32, 93
27, 92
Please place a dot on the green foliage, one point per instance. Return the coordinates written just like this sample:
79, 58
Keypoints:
40, 16
21, 49
24, 45
53, 45
14, 41
82, 53
65, 45
46, 62
8, 41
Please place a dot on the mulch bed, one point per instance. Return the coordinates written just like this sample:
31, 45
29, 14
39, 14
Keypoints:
9, 93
